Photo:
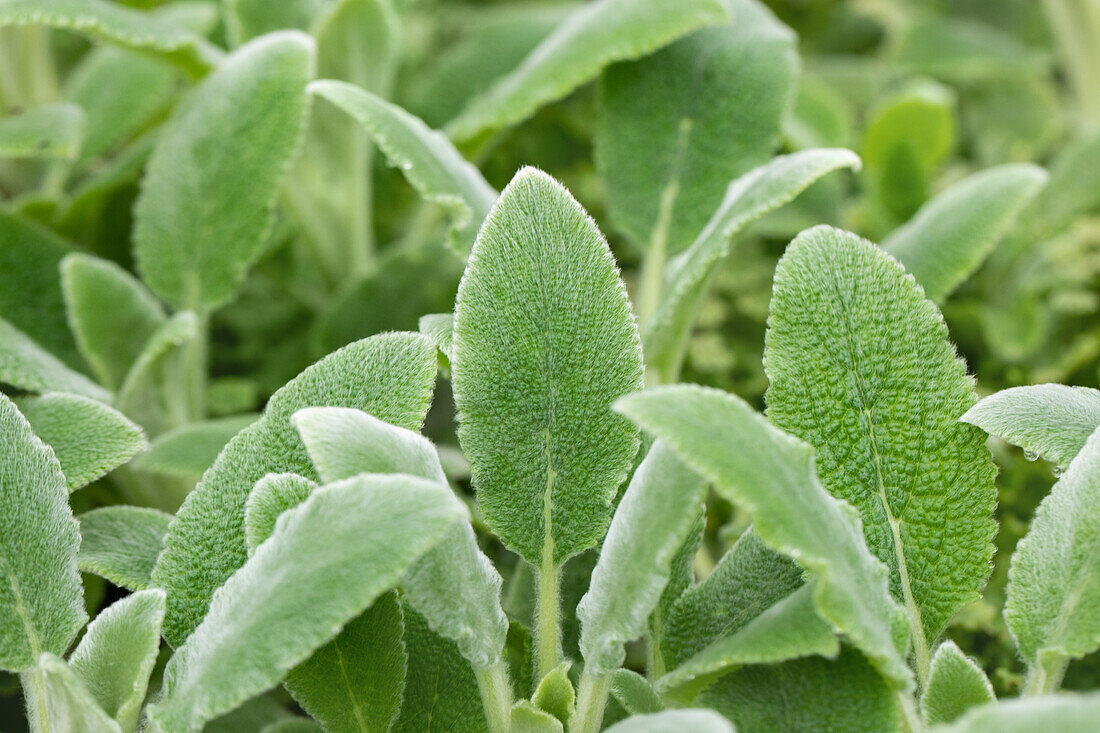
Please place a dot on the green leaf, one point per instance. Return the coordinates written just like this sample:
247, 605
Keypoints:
955, 684
676, 127
355, 683
390, 376
1074, 187
634, 693
294, 725
879, 396
41, 603
121, 544
1053, 603
160, 392
187, 451
687, 277
439, 327
50, 131
554, 694
526, 717
327, 561
205, 208
111, 313
963, 51
674, 721
544, 341
1051, 421
117, 654
246, 19
651, 523
274, 494
69, 705
424, 156
595, 35
89, 438
454, 585
771, 475
951, 235
114, 23
1063, 713
26, 365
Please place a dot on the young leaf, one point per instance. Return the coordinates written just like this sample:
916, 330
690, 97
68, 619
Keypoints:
439, 327
861, 368
389, 375
1051, 421
1063, 713
205, 208
26, 365
676, 129
331, 557
1074, 187
121, 544
117, 654
68, 705
246, 19
41, 602
274, 494
425, 157
651, 523
189, 450
89, 438
595, 35
951, 235
554, 694
674, 721
748, 198
634, 693
112, 315
526, 717
771, 475
544, 341
955, 683
157, 392
50, 131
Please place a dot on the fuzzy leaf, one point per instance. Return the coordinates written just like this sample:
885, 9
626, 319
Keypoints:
861, 368
955, 684
439, 327
526, 717
205, 208
26, 365
634, 693
50, 131
1064, 713
1052, 421
951, 235
121, 544
676, 127
544, 341
595, 35
1074, 187
389, 375
674, 721
424, 156
70, 706
652, 521
554, 694
246, 19
771, 475
150, 393
89, 438
274, 494
330, 557
111, 313
189, 450
117, 654
41, 601
748, 198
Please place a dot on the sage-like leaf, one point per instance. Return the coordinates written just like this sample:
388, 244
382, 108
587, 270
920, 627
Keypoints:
1064, 713
187, 451
161, 392
554, 693
439, 327
955, 683
526, 717
26, 365
50, 131
246, 19
65, 704
121, 544
274, 494
634, 693
674, 721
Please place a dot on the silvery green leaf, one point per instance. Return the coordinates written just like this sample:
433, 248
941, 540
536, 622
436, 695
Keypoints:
1051, 421
955, 684
117, 654
595, 35
634, 693
41, 601
652, 521
544, 341
121, 544
206, 208
328, 560
160, 392
1065, 713
50, 131
686, 277
187, 451
390, 376
951, 235
89, 438
554, 694
862, 369
274, 494
246, 19
65, 704
26, 365
771, 475
674, 721
960, 50
526, 717
439, 327
1074, 186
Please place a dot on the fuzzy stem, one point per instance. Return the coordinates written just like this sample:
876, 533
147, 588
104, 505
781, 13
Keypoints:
34, 690
496, 695
1046, 677
548, 628
591, 701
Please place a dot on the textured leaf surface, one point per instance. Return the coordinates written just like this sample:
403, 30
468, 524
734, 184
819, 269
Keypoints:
274, 494
151, 392
439, 327
89, 438
594, 36
526, 717
674, 721
70, 706
121, 543
544, 341
861, 368
41, 602
1063, 713
424, 156
771, 475
50, 131
26, 365
1052, 421
390, 376
327, 561
652, 521
748, 198
246, 19
680, 124
955, 684
117, 654
634, 693
950, 236
555, 693
205, 208
189, 450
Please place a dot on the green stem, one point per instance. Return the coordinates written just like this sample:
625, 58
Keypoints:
496, 695
591, 701
910, 717
1047, 677
548, 629
655, 661
34, 688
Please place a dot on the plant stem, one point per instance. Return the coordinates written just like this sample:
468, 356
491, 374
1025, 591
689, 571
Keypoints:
1046, 677
591, 701
911, 719
34, 689
655, 661
496, 695
548, 629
